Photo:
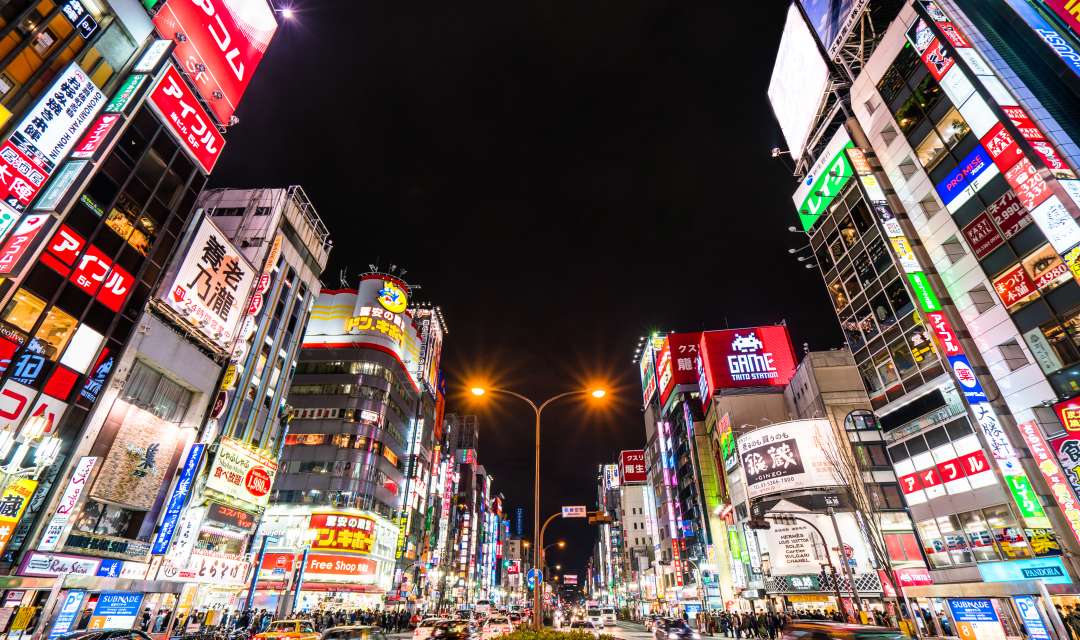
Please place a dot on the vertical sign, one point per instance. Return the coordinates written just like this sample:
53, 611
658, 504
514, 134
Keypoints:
178, 499
69, 613
68, 502
13, 504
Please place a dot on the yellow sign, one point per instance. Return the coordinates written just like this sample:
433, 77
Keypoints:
228, 381
392, 297
12, 506
22, 618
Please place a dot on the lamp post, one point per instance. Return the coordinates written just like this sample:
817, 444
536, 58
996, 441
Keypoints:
538, 410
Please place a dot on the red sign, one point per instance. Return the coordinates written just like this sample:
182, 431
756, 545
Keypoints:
942, 329
752, 357
1029, 186
513, 567
953, 35
937, 59
1023, 122
1002, 147
1047, 463
223, 42
1009, 216
257, 482
337, 567
1015, 286
95, 135
91, 273
1067, 11
231, 516
913, 577
21, 240
189, 122
21, 176
1069, 414
969, 464
982, 235
632, 463
675, 362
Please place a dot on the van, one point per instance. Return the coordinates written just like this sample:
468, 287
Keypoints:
609, 615
595, 616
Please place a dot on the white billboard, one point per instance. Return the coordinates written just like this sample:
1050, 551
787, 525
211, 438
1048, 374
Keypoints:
799, 80
795, 548
789, 456
209, 290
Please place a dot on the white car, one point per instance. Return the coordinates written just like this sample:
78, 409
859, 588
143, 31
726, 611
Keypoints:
595, 616
425, 628
497, 626
609, 615
584, 626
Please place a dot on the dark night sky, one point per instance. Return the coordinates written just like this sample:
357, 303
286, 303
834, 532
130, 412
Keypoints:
560, 177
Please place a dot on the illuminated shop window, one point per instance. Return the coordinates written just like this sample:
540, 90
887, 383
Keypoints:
1007, 534
55, 330
982, 542
23, 310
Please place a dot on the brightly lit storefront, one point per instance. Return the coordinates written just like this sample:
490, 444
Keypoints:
334, 558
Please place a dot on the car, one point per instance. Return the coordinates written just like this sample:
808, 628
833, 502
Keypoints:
455, 630
609, 615
596, 616
424, 627
584, 626
496, 626
289, 630
515, 618
674, 629
354, 632
819, 630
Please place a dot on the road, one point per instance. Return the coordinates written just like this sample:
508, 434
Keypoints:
621, 630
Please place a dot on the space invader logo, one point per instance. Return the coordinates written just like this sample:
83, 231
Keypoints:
748, 361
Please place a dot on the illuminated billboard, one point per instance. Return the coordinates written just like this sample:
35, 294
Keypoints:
675, 362
374, 315
825, 180
186, 118
787, 456
219, 43
799, 80
632, 462
751, 357
828, 19
209, 290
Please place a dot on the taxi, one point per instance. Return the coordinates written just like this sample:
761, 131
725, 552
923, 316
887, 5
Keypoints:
289, 630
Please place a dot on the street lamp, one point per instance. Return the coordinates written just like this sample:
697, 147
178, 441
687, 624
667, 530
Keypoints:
596, 393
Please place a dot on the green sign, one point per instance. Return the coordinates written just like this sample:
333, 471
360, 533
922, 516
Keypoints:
825, 187
1026, 500
807, 582
126, 93
923, 292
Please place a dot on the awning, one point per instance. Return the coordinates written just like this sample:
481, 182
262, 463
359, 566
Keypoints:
322, 586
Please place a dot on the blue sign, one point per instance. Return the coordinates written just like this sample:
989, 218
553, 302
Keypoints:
116, 610
1049, 570
969, 383
110, 568
1032, 619
973, 610
964, 175
69, 612
692, 609
178, 499
1048, 34
534, 577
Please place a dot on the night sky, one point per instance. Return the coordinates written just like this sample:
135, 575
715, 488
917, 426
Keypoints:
560, 177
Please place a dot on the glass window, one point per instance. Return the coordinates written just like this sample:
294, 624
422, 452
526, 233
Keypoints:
839, 298
1006, 533
955, 539
885, 368
870, 379
899, 298
1043, 542
883, 313
848, 233
54, 332
952, 128
979, 536
824, 260
852, 334
930, 150
148, 389
864, 268
23, 310
879, 255
934, 546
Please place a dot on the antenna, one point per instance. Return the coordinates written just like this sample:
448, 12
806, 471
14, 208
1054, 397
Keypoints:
341, 277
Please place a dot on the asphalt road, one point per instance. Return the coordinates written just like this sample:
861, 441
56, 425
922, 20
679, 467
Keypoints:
621, 630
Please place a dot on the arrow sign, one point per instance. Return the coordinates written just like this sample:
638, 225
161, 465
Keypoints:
577, 511
534, 576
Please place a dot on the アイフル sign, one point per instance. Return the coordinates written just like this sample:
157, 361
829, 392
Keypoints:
186, 118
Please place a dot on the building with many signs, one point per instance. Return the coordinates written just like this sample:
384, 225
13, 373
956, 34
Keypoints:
939, 204
361, 441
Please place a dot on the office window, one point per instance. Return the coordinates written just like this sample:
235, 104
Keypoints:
1013, 354
981, 298
954, 250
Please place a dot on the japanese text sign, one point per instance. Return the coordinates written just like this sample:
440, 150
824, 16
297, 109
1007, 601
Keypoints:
223, 42
211, 285
241, 473
1047, 462
786, 456
342, 532
198, 134
13, 503
633, 466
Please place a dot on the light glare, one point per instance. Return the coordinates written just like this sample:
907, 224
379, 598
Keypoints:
477, 391
599, 393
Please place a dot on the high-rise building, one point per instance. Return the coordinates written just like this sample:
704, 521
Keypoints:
940, 209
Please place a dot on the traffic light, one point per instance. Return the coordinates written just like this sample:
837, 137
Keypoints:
599, 517
758, 523
782, 519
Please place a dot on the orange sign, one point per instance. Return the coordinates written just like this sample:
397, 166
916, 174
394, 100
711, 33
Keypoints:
1069, 414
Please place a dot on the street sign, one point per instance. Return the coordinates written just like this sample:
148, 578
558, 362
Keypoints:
577, 511
533, 577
